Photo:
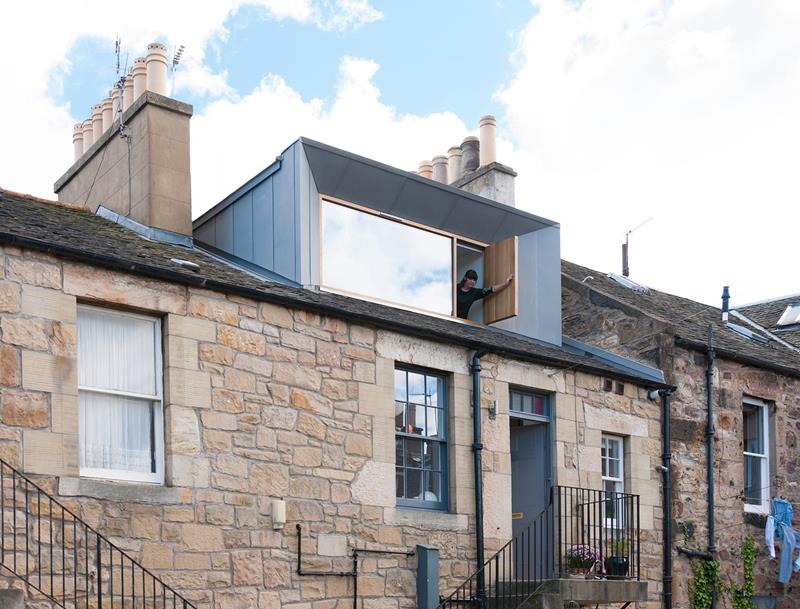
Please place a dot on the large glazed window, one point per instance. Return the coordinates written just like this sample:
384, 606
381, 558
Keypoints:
386, 260
420, 439
119, 395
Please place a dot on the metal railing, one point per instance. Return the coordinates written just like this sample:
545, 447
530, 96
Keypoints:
598, 531
514, 573
579, 530
64, 560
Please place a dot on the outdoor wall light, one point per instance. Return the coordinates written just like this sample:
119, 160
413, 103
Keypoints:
278, 513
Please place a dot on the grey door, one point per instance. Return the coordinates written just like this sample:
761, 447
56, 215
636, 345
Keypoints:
530, 470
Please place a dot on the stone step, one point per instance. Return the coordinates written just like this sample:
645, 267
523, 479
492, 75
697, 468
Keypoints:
11, 599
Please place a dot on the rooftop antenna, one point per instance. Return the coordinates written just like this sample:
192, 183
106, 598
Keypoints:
177, 55
124, 133
625, 270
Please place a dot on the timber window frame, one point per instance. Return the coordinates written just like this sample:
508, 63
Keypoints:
120, 406
612, 458
756, 455
421, 438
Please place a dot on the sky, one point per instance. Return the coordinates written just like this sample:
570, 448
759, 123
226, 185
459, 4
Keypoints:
685, 113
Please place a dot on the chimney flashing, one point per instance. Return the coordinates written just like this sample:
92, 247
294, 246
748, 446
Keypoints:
148, 97
473, 175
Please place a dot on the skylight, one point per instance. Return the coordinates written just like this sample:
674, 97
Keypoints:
631, 285
790, 316
747, 333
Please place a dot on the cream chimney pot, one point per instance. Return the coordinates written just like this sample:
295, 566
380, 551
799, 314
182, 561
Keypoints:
440, 169
157, 68
454, 170
108, 113
488, 134
97, 124
87, 134
425, 169
77, 140
139, 73
116, 101
127, 92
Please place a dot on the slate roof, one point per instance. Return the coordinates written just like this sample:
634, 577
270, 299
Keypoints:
767, 314
689, 320
80, 235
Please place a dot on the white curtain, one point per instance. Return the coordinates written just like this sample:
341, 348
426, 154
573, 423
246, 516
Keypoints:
116, 352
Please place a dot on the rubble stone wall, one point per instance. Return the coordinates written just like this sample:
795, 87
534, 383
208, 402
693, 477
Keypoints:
264, 402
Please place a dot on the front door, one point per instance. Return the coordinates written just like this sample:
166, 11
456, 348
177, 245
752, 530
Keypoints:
530, 470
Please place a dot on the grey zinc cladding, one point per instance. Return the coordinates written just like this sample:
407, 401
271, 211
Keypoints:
273, 221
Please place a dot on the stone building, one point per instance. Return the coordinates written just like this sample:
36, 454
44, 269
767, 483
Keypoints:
194, 400
755, 397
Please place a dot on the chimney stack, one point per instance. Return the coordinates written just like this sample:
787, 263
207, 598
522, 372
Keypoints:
425, 169
482, 174
156, 64
440, 169
77, 140
139, 72
488, 133
151, 186
726, 297
454, 170
470, 150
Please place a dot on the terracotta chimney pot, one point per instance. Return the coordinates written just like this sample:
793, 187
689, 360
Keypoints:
470, 150
88, 131
425, 169
139, 72
127, 92
488, 134
440, 168
97, 123
77, 140
454, 170
108, 112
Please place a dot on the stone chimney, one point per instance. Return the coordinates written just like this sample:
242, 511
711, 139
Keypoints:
482, 174
154, 144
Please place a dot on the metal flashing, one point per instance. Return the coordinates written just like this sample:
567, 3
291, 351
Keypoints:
645, 372
154, 234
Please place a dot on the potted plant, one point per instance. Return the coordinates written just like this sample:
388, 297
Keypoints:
617, 564
581, 558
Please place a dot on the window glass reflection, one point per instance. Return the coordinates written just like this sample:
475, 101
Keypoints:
383, 259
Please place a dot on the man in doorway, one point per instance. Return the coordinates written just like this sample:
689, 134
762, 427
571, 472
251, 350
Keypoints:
467, 293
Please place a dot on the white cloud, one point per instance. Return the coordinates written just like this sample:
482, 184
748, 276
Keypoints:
684, 111
253, 130
34, 51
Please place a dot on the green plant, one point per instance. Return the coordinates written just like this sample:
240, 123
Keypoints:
742, 598
582, 556
705, 584
619, 547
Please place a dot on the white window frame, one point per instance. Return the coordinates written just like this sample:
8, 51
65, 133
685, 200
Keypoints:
156, 477
618, 520
763, 508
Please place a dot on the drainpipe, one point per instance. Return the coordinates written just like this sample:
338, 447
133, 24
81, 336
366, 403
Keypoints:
712, 550
666, 472
477, 447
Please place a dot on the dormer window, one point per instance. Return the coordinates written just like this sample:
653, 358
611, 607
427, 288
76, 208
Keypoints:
383, 258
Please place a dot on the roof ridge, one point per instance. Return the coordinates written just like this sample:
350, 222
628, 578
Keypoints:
28, 197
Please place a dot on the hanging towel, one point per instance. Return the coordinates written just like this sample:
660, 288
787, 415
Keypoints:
782, 512
769, 536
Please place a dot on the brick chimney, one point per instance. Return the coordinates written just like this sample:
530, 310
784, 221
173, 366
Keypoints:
489, 178
154, 147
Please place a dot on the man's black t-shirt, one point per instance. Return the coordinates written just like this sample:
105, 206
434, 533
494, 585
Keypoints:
464, 299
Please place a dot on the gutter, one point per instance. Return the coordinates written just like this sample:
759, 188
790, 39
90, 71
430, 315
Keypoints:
743, 359
185, 279
666, 473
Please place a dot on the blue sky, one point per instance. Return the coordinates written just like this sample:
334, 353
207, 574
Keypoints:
611, 112
434, 56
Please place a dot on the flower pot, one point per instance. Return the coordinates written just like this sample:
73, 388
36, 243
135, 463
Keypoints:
616, 567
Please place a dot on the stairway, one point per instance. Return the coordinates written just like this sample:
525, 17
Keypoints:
65, 562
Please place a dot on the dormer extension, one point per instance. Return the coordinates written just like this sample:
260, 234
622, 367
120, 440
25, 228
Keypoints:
335, 221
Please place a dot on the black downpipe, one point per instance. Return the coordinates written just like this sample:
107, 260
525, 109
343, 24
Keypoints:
477, 447
712, 549
666, 469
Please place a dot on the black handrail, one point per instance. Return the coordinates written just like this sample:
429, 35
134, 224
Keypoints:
579, 529
66, 561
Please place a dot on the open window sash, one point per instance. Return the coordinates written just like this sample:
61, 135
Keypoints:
500, 261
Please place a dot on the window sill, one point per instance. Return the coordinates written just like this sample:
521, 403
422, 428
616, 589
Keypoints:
426, 519
756, 509
133, 492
